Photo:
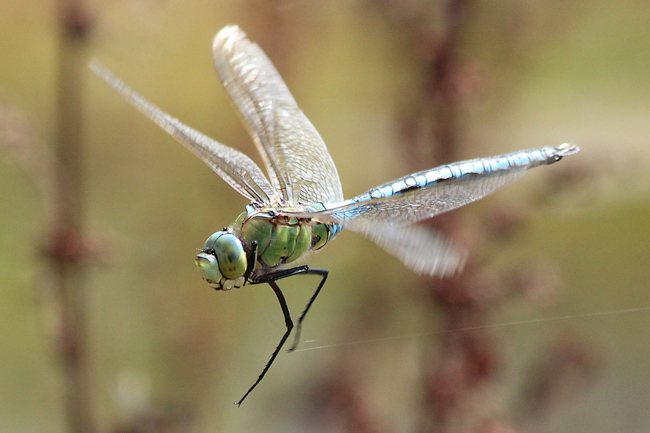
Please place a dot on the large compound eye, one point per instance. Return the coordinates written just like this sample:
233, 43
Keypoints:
230, 255
209, 269
209, 243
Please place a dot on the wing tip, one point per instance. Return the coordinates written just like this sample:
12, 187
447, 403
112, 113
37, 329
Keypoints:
109, 78
227, 36
450, 265
100, 70
95, 65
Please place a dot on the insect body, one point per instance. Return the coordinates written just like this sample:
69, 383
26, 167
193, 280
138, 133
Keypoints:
300, 206
260, 240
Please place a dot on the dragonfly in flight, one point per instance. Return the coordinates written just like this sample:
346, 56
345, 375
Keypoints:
300, 206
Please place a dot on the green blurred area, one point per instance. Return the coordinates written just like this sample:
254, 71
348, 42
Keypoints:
544, 73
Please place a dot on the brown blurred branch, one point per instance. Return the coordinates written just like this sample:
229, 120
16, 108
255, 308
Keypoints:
66, 248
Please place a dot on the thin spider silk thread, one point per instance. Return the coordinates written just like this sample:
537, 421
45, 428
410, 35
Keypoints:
472, 328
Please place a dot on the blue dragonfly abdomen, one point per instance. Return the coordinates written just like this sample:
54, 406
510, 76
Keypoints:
484, 168
427, 193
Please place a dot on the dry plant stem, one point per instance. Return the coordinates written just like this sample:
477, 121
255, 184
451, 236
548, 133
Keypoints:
450, 382
66, 249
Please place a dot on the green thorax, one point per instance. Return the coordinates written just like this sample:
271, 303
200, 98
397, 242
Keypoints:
280, 238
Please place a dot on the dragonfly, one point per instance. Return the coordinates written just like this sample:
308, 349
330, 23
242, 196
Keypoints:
300, 207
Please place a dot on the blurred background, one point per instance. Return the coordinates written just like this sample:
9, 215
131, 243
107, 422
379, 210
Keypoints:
106, 326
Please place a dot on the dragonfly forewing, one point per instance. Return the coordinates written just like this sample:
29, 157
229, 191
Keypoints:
237, 169
299, 165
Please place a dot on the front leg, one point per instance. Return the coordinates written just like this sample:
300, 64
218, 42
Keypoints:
271, 278
323, 273
289, 324
298, 270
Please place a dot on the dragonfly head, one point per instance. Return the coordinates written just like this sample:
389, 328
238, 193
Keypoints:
222, 261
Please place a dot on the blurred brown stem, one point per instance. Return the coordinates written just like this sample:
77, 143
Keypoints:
65, 247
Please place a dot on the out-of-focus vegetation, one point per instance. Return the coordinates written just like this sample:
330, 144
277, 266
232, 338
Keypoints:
166, 353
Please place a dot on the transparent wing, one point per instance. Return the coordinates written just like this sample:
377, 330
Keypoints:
428, 193
296, 157
384, 214
237, 169
421, 249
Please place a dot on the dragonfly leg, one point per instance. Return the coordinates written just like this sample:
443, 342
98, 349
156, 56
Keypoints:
289, 324
323, 273
252, 259
271, 279
298, 270
279, 274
